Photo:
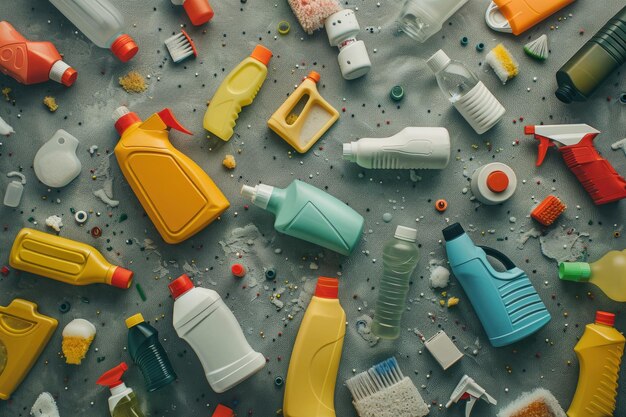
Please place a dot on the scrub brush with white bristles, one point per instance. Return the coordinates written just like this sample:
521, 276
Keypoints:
382, 391
503, 63
537, 49
180, 46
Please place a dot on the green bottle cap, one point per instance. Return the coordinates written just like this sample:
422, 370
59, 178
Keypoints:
396, 93
574, 271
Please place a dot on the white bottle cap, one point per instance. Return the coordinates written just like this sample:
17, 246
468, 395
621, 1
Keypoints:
259, 195
62, 73
119, 112
438, 61
480, 108
406, 233
348, 151
354, 61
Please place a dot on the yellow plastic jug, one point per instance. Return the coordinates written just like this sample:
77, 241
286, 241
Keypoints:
305, 116
312, 374
599, 353
24, 333
178, 196
608, 273
238, 89
64, 260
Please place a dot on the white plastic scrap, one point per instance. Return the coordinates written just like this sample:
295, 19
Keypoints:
620, 144
102, 195
5, 128
55, 222
468, 386
45, 406
13, 193
439, 276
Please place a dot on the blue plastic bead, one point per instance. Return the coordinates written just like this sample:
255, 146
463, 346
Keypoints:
480, 47
464, 41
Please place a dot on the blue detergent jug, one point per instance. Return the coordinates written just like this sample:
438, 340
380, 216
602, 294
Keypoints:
506, 303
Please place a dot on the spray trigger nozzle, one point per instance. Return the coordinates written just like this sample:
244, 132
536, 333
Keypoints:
468, 390
113, 377
167, 116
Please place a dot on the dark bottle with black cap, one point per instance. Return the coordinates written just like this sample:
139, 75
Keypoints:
594, 62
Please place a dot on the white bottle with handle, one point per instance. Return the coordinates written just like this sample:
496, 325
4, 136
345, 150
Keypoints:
102, 23
411, 148
202, 318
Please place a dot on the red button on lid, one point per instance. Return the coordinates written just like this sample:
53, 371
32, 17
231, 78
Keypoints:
497, 181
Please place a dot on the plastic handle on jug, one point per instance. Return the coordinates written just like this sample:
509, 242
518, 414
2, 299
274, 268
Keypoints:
508, 263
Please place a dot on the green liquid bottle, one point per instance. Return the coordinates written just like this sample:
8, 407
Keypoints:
594, 62
608, 273
123, 401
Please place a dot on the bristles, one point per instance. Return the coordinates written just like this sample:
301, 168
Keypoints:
503, 63
537, 49
377, 378
313, 13
548, 210
180, 46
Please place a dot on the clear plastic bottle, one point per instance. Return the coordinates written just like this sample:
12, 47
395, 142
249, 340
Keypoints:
400, 256
421, 19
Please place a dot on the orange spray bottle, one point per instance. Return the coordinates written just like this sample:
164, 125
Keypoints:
31, 62
178, 196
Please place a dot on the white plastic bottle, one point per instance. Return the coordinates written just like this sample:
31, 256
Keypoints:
411, 148
466, 92
102, 23
202, 318
421, 19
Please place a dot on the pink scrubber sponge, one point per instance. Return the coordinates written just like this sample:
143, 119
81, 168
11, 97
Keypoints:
313, 13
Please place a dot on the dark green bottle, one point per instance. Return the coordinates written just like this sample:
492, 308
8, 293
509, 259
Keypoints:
148, 354
594, 62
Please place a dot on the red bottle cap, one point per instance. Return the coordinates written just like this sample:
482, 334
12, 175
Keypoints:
122, 277
238, 270
124, 48
314, 76
602, 317
497, 181
327, 287
262, 54
180, 285
126, 121
199, 11
223, 411
69, 76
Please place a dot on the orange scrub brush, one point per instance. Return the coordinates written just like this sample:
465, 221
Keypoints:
548, 210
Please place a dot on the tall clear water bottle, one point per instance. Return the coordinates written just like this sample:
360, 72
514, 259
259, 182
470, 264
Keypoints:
400, 256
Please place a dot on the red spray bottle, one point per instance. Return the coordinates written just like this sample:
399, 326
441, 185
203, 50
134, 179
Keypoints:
31, 62
123, 401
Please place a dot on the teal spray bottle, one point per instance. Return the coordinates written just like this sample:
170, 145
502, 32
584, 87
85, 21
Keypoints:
310, 214
123, 401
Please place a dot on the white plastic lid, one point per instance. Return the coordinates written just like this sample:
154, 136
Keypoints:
438, 61
119, 112
354, 61
480, 108
340, 26
348, 151
406, 233
259, 195
58, 70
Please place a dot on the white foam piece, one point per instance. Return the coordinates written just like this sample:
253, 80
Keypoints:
79, 328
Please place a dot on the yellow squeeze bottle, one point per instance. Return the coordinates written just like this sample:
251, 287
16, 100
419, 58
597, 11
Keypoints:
310, 386
305, 116
24, 333
178, 196
64, 260
608, 273
599, 353
236, 91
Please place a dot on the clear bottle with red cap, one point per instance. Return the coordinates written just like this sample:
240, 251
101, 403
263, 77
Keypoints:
199, 11
203, 320
31, 62
123, 401
102, 23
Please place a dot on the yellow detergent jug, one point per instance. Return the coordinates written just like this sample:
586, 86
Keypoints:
305, 116
64, 260
310, 386
238, 89
178, 196
599, 353
24, 333
608, 273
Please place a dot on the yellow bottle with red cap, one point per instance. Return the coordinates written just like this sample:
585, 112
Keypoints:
305, 116
599, 353
65, 260
238, 89
312, 374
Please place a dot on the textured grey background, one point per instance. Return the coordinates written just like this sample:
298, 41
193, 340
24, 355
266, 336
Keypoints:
85, 112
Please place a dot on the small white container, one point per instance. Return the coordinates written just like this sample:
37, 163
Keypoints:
493, 183
342, 28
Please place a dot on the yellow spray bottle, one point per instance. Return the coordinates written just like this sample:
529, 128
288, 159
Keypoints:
599, 353
178, 196
608, 273
238, 89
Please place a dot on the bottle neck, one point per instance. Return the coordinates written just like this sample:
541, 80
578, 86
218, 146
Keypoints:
277, 200
118, 389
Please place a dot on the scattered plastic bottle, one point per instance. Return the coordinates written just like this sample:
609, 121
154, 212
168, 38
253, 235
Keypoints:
123, 401
400, 256
608, 273
148, 353
421, 19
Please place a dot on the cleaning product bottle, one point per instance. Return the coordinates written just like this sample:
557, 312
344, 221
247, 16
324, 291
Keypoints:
466, 92
310, 214
594, 62
24, 333
506, 303
32, 62
178, 196
400, 256
123, 401
238, 89
199, 11
64, 260
599, 353
304, 117
102, 23
312, 374
608, 273
202, 318
421, 19
148, 353
411, 148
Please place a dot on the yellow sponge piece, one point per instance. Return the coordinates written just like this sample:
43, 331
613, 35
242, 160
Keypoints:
503, 63
77, 337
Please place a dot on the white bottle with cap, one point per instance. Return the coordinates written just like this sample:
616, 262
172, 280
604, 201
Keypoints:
13, 194
494, 183
466, 92
421, 19
411, 148
342, 28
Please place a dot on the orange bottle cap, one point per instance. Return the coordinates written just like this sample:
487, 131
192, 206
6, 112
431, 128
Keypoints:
327, 287
262, 54
180, 285
497, 181
223, 411
314, 76
69, 76
199, 11
122, 277
602, 317
238, 270
124, 48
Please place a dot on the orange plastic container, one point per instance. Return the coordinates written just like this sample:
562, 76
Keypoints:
24, 333
517, 16
178, 196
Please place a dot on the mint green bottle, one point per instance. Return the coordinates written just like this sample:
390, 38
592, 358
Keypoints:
310, 214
